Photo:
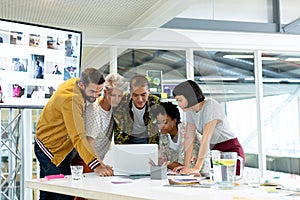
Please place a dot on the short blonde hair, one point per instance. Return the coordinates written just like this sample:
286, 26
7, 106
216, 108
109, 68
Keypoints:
116, 81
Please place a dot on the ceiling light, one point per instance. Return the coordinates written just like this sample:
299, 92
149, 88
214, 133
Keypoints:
171, 58
292, 59
238, 56
269, 58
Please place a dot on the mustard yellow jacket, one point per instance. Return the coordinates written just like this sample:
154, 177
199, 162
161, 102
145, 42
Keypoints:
61, 125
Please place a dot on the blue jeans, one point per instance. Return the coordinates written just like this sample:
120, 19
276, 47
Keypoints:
48, 168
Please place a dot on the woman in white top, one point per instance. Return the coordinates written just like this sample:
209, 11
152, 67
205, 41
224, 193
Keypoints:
98, 116
208, 118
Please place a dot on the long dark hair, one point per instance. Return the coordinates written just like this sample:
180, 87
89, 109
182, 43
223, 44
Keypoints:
191, 91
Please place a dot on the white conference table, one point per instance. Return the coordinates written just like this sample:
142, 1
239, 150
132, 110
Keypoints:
96, 187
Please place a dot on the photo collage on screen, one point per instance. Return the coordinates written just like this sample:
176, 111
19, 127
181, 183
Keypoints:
34, 59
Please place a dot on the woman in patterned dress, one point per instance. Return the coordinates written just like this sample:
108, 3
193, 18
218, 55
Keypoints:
172, 135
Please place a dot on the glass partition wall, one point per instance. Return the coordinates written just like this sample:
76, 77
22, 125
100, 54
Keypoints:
172, 63
281, 88
229, 77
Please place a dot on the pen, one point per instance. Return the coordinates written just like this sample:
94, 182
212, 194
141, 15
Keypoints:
55, 176
151, 162
166, 163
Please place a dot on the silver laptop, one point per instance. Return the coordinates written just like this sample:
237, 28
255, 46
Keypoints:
133, 159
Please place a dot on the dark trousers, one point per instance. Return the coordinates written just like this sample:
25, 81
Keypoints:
137, 140
48, 168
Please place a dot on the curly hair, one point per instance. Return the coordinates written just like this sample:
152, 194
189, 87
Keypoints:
167, 108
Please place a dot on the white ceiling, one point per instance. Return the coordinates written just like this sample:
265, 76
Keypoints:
97, 19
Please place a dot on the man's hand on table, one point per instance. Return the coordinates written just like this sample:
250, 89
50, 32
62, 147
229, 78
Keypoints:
104, 170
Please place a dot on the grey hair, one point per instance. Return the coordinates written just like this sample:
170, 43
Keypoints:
116, 81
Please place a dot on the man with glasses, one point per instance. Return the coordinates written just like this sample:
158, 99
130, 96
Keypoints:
132, 117
60, 130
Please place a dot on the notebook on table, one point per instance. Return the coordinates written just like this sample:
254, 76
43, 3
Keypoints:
133, 159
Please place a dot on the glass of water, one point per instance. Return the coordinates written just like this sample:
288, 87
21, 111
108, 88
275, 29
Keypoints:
77, 172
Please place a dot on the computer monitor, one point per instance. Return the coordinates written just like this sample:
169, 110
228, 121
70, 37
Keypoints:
36, 59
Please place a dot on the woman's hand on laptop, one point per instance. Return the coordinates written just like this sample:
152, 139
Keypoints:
186, 170
172, 165
104, 170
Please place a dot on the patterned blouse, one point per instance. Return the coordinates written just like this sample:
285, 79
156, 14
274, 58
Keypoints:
174, 152
98, 125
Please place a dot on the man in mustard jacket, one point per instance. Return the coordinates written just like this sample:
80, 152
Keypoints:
60, 130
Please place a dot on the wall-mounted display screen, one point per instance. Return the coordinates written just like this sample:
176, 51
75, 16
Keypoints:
35, 59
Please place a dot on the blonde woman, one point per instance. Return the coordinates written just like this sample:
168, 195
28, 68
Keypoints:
98, 117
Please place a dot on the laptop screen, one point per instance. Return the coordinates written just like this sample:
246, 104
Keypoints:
133, 159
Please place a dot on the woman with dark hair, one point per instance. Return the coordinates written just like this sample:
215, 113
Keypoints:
208, 118
171, 137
